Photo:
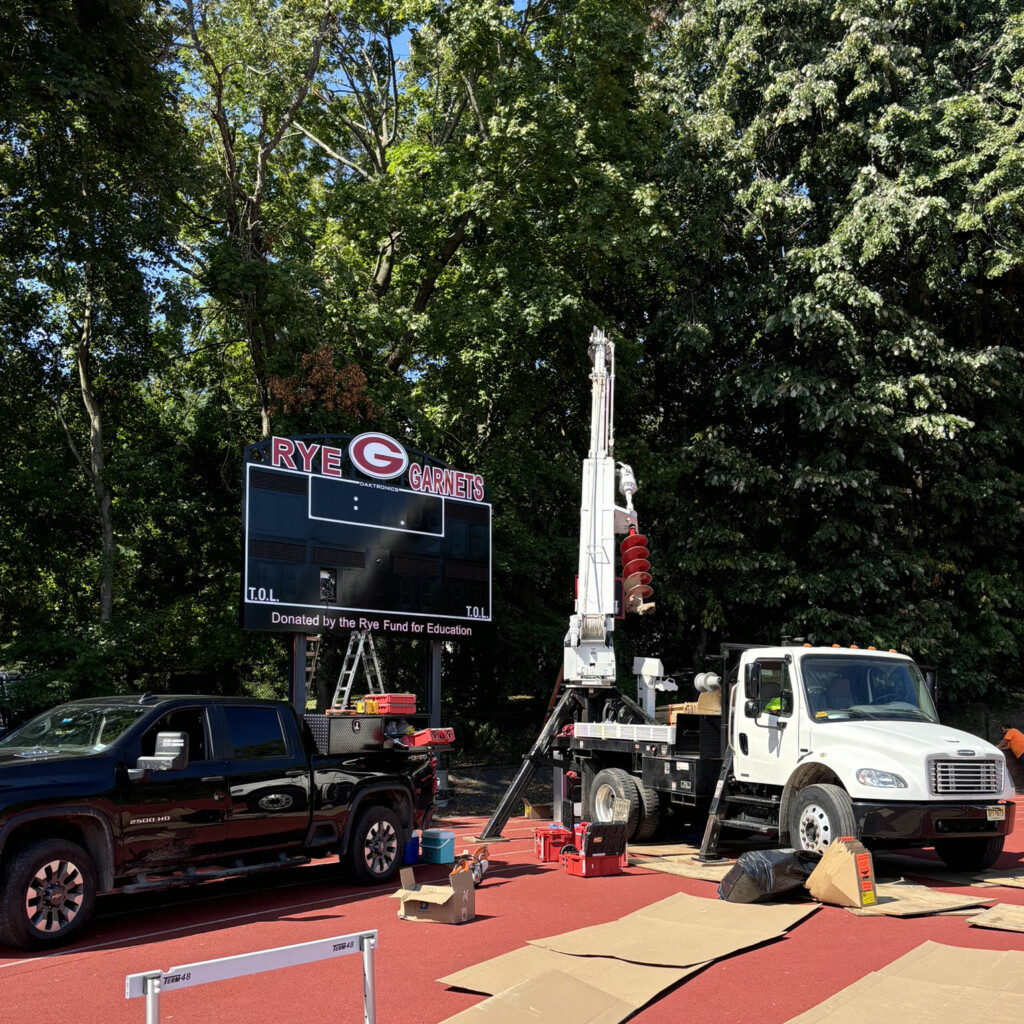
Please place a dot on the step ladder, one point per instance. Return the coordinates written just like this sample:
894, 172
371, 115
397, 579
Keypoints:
361, 650
718, 814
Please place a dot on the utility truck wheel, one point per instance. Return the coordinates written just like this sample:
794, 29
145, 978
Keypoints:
609, 785
974, 854
47, 893
650, 813
820, 814
374, 848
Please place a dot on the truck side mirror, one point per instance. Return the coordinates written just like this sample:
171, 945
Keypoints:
753, 681
752, 709
931, 679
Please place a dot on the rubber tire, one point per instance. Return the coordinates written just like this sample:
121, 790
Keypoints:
973, 854
833, 820
375, 846
650, 813
15, 927
610, 784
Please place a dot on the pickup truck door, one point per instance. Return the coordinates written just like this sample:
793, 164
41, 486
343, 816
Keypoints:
269, 779
767, 746
173, 817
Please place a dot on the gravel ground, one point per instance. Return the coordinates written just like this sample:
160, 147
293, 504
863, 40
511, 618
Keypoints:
477, 789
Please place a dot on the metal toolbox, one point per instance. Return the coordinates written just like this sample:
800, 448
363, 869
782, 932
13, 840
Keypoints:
362, 734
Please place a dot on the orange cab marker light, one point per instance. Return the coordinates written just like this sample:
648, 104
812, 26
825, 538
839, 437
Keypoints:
854, 647
836, 646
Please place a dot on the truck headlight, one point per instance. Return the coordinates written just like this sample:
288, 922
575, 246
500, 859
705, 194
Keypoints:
885, 780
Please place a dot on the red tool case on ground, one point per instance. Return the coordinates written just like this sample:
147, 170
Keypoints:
602, 850
548, 842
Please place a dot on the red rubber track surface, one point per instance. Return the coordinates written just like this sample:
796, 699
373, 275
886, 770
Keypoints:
520, 899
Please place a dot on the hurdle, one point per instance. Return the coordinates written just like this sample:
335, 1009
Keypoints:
150, 984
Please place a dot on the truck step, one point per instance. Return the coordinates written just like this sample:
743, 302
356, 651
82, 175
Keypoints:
749, 826
196, 875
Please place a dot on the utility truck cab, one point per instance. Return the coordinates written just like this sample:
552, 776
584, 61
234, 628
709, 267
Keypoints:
851, 744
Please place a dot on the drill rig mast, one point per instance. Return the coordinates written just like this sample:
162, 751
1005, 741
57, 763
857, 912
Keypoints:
588, 668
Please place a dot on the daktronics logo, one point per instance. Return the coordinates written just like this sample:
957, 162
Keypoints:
378, 455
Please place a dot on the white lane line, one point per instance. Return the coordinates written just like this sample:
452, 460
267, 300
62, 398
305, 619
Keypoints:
196, 926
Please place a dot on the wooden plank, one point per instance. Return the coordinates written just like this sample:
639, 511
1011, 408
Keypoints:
904, 899
685, 867
1004, 917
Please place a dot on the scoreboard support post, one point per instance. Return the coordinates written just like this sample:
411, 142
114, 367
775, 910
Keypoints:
433, 683
297, 672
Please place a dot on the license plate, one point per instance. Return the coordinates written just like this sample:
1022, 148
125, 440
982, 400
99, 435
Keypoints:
995, 813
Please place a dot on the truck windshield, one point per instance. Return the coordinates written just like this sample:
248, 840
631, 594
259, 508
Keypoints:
839, 687
71, 729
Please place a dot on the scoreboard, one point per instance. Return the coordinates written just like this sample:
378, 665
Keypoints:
357, 532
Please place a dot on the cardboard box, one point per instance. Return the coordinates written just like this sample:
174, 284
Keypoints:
454, 903
845, 876
537, 812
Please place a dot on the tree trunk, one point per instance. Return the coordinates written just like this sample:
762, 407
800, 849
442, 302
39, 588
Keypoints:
95, 468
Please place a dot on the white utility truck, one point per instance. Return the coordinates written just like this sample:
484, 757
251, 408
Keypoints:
797, 742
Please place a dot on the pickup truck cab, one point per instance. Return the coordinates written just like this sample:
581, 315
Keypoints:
141, 792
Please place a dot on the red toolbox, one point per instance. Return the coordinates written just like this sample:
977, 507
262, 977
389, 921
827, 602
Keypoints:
600, 850
591, 867
393, 703
548, 842
432, 738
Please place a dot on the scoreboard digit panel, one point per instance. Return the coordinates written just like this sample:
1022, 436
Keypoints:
326, 551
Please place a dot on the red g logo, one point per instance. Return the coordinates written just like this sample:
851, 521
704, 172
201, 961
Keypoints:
378, 455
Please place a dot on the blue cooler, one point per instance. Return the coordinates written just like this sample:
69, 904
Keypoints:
411, 850
437, 846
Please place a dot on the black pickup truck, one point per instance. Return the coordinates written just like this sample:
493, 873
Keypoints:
142, 792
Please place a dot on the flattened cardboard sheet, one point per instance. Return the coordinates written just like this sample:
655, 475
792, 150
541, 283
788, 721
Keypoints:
551, 996
912, 989
905, 899
1005, 917
635, 984
681, 931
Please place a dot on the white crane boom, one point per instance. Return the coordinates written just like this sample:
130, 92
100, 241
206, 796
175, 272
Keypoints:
589, 656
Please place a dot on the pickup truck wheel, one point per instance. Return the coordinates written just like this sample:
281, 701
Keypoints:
820, 814
47, 893
375, 848
973, 854
609, 785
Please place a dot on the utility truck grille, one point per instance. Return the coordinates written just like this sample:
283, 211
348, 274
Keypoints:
966, 777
